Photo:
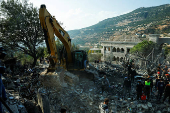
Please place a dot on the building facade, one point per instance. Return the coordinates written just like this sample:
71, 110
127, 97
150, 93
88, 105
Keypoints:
157, 39
118, 49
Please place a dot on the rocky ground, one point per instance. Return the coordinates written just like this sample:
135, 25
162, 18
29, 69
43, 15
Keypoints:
78, 92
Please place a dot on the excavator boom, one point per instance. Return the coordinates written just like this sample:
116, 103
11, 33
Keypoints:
50, 27
73, 59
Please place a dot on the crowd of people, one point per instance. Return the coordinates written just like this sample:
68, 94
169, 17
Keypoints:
163, 82
144, 87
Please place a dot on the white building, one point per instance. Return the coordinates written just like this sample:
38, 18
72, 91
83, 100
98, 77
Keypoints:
118, 48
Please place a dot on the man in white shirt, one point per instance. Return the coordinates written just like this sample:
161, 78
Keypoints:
104, 106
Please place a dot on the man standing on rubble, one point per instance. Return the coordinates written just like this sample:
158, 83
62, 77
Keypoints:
129, 70
147, 88
151, 85
126, 86
104, 106
105, 84
160, 88
133, 74
167, 92
139, 89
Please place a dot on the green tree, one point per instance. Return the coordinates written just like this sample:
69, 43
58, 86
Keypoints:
24, 59
20, 27
45, 52
166, 50
144, 48
59, 44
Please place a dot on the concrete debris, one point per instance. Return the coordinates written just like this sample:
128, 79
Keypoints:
70, 78
162, 106
164, 110
14, 108
149, 105
14, 104
158, 112
10, 86
43, 101
145, 107
47, 93
168, 109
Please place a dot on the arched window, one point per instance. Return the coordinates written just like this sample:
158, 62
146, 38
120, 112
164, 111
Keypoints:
114, 58
121, 59
114, 49
122, 50
118, 49
117, 58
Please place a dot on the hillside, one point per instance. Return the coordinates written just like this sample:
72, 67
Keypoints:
142, 20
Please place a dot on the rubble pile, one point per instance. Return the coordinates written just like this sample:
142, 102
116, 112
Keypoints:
84, 97
120, 104
21, 91
14, 102
75, 96
79, 99
38, 92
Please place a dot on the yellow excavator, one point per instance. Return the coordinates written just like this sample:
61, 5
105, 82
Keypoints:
71, 60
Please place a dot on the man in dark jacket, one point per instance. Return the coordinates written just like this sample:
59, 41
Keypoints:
151, 80
127, 86
160, 88
167, 92
129, 70
157, 79
133, 74
105, 84
139, 88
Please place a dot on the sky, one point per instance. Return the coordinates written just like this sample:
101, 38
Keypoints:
77, 14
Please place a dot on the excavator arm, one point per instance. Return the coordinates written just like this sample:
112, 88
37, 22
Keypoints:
50, 27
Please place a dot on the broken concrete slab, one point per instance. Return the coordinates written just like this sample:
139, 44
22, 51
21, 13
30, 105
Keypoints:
43, 101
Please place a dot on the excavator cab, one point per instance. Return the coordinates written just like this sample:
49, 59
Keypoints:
79, 59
